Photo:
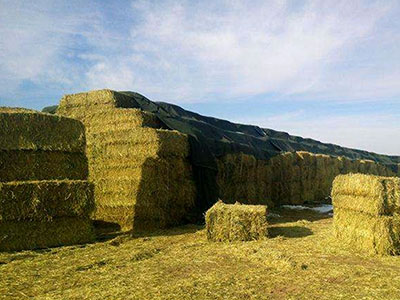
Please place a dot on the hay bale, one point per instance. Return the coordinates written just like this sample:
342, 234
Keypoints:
17, 235
146, 142
26, 165
30, 130
289, 178
236, 222
141, 172
94, 101
121, 119
45, 200
369, 194
366, 211
363, 232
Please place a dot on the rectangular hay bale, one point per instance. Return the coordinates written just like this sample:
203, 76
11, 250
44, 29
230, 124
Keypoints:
153, 141
45, 200
26, 235
372, 234
30, 130
236, 222
23, 165
374, 195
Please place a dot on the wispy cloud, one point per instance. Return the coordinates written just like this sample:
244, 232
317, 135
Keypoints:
189, 51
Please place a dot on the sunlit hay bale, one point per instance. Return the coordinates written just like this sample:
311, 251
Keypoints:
45, 200
31, 130
136, 166
236, 222
364, 232
42, 165
369, 194
145, 141
173, 168
366, 212
122, 215
22, 235
94, 100
120, 119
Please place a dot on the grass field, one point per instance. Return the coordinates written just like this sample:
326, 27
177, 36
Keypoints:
299, 261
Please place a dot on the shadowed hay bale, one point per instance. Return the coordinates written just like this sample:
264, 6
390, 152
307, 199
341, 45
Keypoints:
145, 216
374, 195
236, 222
141, 172
289, 178
30, 130
376, 235
45, 200
16, 235
173, 168
42, 165
118, 192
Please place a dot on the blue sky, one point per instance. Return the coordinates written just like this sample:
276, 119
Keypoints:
329, 70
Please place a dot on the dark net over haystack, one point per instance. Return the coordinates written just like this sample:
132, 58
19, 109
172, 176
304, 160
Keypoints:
219, 147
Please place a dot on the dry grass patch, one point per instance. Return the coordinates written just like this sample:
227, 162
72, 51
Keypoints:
181, 264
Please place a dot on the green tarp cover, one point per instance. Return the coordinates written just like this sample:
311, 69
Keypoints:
211, 138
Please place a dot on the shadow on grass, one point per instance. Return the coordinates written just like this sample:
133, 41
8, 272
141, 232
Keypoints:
180, 230
289, 231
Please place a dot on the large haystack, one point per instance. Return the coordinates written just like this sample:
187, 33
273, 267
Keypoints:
142, 176
366, 212
236, 222
44, 198
289, 178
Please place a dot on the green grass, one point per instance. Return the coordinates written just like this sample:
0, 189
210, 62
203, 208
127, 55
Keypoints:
299, 261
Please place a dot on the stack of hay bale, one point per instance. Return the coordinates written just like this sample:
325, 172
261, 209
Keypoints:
143, 179
289, 178
366, 212
45, 198
236, 222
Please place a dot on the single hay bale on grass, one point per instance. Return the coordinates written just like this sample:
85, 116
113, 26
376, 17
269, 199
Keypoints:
374, 195
23, 235
30, 130
23, 165
236, 222
45, 200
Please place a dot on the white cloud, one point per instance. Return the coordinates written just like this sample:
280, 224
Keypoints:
188, 51
37, 40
